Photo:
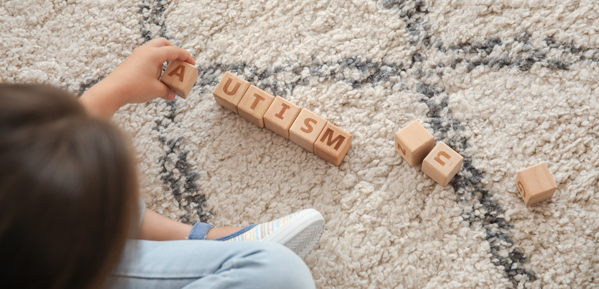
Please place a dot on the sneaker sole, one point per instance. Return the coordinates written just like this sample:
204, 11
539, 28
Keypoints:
301, 233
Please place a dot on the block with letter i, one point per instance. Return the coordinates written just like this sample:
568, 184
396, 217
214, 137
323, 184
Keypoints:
535, 184
254, 104
230, 90
306, 128
180, 76
414, 142
332, 144
280, 116
442, 164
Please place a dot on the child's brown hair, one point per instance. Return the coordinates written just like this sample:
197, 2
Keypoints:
68, 191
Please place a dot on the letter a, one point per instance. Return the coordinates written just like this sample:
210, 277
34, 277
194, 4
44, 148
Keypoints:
181, 73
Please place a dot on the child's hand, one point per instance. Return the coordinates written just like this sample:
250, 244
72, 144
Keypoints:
138, 76
135, 80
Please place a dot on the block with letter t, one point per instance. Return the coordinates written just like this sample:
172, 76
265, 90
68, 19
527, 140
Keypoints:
254, 104
332, 144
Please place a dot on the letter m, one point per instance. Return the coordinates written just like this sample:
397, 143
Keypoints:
330, 141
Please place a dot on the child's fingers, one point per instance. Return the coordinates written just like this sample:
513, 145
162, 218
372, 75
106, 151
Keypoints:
170, 96
165, 92
169, 53
158, 42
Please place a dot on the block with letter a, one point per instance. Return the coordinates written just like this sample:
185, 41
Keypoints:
180, 76
280, 116
254, 104
306, 128
442, 164
332, 144
230, 90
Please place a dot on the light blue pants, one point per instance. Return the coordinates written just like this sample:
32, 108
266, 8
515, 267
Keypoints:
210, 264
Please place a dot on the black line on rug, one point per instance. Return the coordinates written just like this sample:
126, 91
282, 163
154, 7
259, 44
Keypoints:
182, 183
468, 182
87, 84
468, 186
153, 16
478, 54
177, 174
371, 72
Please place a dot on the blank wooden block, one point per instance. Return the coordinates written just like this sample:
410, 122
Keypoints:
230, 90
535, 184
180, 76
414, 142
254, 104
442, 164
280, 116
306, 128
332, 144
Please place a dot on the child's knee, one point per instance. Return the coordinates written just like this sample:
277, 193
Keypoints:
282, 268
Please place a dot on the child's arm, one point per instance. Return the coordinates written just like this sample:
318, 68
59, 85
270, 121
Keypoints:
135, 80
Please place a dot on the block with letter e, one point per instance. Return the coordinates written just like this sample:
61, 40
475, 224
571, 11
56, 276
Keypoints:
230, 90
332, 144
180, 76
414, 142
442, 164
254, 104
306, 128
280, 116
535, 184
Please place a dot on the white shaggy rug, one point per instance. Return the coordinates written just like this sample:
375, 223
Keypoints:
507, 84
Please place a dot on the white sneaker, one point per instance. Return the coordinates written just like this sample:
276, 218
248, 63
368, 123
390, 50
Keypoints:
299, 232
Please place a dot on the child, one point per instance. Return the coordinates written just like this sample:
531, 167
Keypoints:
69, 206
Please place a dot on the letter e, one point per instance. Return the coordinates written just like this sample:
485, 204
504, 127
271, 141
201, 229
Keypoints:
438, 157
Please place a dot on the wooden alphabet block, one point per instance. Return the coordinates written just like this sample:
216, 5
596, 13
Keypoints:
306, 128
332, 144
414, 142
254, 104
180, 76
280, 116
442, 164
230, 90
535, 184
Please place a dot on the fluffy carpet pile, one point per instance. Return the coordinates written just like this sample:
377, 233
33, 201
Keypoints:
507, 84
